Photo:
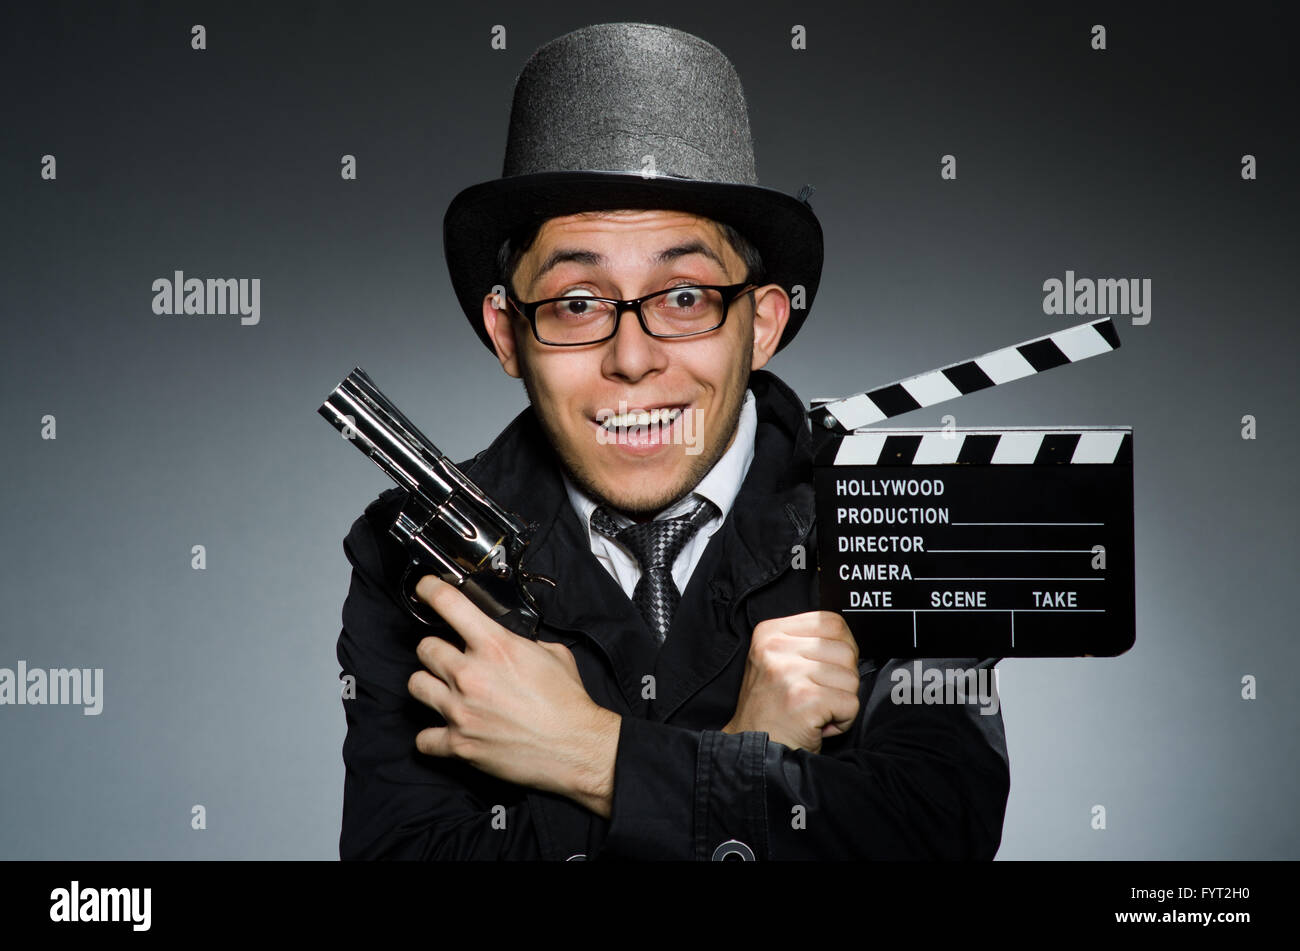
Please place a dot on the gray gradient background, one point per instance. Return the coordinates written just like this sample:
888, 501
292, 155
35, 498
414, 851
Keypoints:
221, 684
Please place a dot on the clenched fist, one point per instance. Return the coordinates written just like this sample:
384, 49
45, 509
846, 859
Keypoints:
801, 680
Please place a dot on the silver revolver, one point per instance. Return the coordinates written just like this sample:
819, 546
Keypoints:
448, 525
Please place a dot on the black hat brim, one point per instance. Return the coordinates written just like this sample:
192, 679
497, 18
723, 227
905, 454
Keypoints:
784, 229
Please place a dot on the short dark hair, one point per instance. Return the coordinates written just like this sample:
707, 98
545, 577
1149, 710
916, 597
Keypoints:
517, 245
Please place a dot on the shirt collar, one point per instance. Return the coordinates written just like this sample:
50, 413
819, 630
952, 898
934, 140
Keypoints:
720, 485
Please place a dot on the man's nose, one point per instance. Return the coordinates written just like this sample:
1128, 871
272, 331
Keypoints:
632, 353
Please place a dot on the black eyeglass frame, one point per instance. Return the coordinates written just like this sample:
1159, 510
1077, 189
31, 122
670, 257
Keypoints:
729, 294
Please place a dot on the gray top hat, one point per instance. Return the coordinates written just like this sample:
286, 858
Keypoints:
588, 106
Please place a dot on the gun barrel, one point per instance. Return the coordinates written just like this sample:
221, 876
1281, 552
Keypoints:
447, 518
357, 409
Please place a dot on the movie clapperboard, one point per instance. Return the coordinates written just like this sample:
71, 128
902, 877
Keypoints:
977, 542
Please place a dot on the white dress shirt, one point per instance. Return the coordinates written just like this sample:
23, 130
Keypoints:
720, 486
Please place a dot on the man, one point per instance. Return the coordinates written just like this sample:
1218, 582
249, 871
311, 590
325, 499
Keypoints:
684, 699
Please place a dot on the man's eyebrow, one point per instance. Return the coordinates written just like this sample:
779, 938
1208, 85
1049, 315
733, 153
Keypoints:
693, 247
595, 259
562, 255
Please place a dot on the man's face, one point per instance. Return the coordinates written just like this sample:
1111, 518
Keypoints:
624, 255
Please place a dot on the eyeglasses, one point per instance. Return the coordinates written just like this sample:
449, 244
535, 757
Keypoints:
578, 320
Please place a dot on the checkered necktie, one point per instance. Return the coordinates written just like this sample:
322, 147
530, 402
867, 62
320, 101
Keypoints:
656, 545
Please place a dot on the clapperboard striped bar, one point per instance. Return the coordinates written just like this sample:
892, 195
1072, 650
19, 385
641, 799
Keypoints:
1022, 445
958, 379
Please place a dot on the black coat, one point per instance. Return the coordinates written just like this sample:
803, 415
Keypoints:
905, 782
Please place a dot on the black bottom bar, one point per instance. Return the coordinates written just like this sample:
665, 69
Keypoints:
335, 902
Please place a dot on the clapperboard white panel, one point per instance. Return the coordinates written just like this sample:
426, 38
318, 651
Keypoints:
977, 542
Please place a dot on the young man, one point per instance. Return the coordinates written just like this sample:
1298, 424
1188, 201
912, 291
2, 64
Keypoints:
684, 699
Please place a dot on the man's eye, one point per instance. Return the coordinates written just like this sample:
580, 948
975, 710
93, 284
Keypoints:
575, 306
684, 299
569, 307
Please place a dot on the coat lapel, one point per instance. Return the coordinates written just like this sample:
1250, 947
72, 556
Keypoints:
586, 600
733, 568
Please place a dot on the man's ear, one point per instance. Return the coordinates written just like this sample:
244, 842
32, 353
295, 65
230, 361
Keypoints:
771, 313
501, 332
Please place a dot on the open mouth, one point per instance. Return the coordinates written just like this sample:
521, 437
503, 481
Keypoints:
660, 416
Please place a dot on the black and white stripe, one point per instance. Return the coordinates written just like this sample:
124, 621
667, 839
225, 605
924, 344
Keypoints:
993, 369
986, 446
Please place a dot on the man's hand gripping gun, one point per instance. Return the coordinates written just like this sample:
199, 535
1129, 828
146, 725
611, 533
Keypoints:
448, 525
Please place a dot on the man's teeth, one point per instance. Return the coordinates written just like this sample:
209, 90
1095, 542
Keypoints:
654, 417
